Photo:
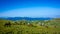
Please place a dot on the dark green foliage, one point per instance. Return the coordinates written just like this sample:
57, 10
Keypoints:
58, 32
10, 32
43, 32
7, 24
1, 32
54, 32
19, 32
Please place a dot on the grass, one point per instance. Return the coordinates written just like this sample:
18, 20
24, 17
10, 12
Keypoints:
18, 28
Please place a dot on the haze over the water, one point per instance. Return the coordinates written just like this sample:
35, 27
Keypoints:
29, 8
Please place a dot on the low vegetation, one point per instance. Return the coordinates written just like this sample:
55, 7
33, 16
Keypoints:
30, 27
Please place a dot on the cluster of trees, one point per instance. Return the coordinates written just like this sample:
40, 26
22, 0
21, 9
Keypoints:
28, 23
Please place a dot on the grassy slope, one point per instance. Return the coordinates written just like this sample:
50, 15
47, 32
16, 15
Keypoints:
25, 29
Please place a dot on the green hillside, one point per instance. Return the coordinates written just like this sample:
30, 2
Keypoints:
30, 27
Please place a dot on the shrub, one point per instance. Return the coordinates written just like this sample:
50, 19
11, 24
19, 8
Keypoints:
9, 32
7, 24
19, 32
1, 32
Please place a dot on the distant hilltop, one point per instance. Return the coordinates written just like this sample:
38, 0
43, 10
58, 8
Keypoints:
25, 18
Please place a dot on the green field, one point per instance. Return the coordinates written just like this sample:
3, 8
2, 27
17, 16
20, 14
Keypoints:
30, 27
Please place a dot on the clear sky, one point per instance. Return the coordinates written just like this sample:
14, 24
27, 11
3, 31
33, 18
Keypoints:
29, 8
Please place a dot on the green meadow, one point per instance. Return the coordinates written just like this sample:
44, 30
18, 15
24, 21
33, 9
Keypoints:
30, 27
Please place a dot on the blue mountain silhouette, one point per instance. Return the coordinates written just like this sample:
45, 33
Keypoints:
25, 18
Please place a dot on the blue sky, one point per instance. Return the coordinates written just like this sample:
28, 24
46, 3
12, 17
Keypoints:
29, 8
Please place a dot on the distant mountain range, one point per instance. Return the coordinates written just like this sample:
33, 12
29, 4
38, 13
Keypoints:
24, 18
